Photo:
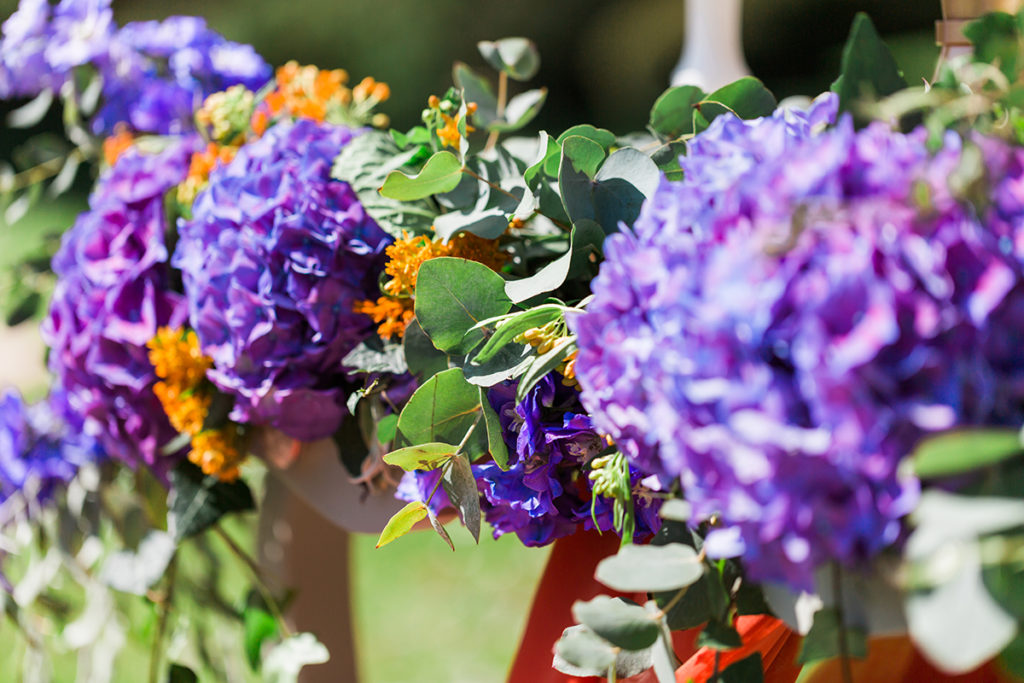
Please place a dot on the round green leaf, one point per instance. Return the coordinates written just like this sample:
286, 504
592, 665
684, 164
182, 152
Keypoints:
620, 623
650, 568
518, 57
672, 113
453, 295
441, 173
442, 410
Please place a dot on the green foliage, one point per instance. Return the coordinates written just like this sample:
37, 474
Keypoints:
460, 485
650, 568
514, 324
375, 355
452, 296
421, 356
443, 409
621, 623
517, 57
609, 195
402, 522
581, 652
996, 38
441, 173
495, 439
259, 627
364, 164
196, 502
672, 113
544, 364
719, 635
178, 673
426, 457
868, 68
585, 242
747, 670
964, 450
746, 98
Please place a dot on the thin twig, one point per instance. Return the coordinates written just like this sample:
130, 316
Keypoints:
261, 583
39, 173
488, 182
161, 624
492, 139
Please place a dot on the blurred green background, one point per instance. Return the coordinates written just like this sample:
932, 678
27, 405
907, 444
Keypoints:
458, 617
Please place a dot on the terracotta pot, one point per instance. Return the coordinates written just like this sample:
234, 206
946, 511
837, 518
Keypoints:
957, 13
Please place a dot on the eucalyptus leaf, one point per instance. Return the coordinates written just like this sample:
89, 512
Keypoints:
649, 568
997, 40
583, 154
747, 670
364, 164
441, 173
747, 98
421, 356
868, 68
402, 522
520, 110
179, 673
496, 445
581, 652
453, 295
586, 239
962, 450
137, 571
486, 223
616, 192
517, 57
676, 509
375, 355
958, 625
672, 113
476, 89
424, 457
460, 485
605, 138
196, 502
622, 624
508, 363
719, 635
31, 113
442, 409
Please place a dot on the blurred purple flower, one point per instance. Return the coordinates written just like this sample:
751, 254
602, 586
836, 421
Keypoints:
782, 326
41, 445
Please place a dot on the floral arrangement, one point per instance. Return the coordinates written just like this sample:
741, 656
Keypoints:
774, 349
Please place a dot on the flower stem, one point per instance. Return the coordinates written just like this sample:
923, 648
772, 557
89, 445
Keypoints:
261, 583
492, 139
161, 624
844, 647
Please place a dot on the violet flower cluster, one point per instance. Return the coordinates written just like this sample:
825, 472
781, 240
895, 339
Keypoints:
42, 445
154, 74
545, 493
273, 260
780, 329
113, 291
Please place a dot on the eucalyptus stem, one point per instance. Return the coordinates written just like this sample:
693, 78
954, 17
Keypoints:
161, 624
718, 663
458, 452
261, 582
492, 139
39, 173
844, 647
488, 182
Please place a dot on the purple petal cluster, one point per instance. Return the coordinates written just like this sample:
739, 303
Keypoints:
113, 291
273, 260
41, 445
155, 74
780, 328
545, 493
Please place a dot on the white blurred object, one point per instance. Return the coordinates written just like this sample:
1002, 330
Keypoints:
314, 473
713, 47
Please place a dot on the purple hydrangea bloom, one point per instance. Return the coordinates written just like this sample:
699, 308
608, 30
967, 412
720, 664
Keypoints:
155, 73
273, 260
112, 293
158, 72
41, 445
780, 328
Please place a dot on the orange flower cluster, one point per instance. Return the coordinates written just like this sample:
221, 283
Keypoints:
393, 311
181, 367
312, 93
199, 167
117, 144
